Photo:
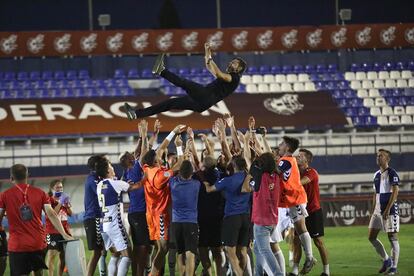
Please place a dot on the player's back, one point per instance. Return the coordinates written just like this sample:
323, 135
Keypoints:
157, 191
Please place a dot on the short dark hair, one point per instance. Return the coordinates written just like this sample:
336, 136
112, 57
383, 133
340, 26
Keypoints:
149, 158
186, 169
209, 162
102, 167
242, 64
386, 151
123, 159
93, 159
292, 142
239, 162
52, 185
268, 163
308, 155
19, 172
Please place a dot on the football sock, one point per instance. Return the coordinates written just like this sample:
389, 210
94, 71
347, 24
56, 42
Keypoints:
112, 266
295, 268
395, 252
306, 242
102, 265
326, 269
281, 261
123, 266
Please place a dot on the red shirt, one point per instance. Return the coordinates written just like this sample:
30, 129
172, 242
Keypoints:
266, 200
62, 215
25, 236
312, 190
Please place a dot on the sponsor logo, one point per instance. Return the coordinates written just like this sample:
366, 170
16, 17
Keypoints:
62, 43
239, 41
387, 36
313, 39
215, 40
406, 212
290, 39
409, 35
165, 41
190, 41
36, 44
114, 43
348, 214
264, 40
286, 105
338, 38
8, 44
362, 37
140, 42
89, 43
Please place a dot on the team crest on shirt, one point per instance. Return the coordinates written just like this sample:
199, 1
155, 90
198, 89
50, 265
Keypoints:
286, 105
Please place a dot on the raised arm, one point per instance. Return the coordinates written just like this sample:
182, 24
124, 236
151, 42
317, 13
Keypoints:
144, 138
246, 149
209, 146
212, 66
266, 146
153, 140
233, 131
178, 129
221, 134
191, 146
137, 151
180, 154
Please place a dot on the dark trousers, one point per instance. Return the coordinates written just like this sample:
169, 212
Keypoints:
197, 98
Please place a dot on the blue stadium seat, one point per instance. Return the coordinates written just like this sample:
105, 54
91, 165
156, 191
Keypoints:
252, 70
350, 111
287, 69
9, 76
298, 69
310, 69
185, 72
47, 75
332, 68
275, 69
119, 74
321, 68
133, 74
22, 76
264, 69
83, 74
411, 66
71, 75
195, 71
363, 111
355, 67
366, 67
147, 73
59, 75
34, 76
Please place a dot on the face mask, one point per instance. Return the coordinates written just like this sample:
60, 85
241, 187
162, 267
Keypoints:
57, 194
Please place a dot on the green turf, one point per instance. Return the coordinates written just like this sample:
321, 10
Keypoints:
350, 252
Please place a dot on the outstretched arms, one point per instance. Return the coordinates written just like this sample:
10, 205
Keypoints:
212, 66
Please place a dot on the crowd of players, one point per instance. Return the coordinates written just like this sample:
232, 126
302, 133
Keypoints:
199, 207
196, 205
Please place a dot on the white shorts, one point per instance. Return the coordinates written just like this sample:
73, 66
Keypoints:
284, 221
276, 236
391, 225
298, 212
115, 235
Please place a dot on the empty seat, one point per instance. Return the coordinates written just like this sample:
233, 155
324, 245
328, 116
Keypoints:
268, 78
406, 74
380, 102
303, 77
394, 120
386, 110
409, 110
383, 75
291, 78
406, 120
119, 74
71, 75
355, 84
274, 87
411, 83
350, 76
360, 76
362, 93
310, 86
246, 79
379, 84
390, 84
286, 87
298, 87
257, 79
375, 111
372, 75
280, 78
382, 120
368, 102
374, 93
402, 83
263, 88
366, 84
133, 74
251, 88
395, 75
399, 110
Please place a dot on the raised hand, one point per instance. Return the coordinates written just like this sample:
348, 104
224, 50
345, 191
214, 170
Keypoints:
221, 125
215, 130
252, 123
179, 128
202, 136
190, 133
178, 141
157, 126
229, 120
144, 127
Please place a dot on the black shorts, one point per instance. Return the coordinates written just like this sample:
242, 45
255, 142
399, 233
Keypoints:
53, 243
210, 232
3, 244
139, 228
314, 224
185, 236
93, 234
235, 231
22, 263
